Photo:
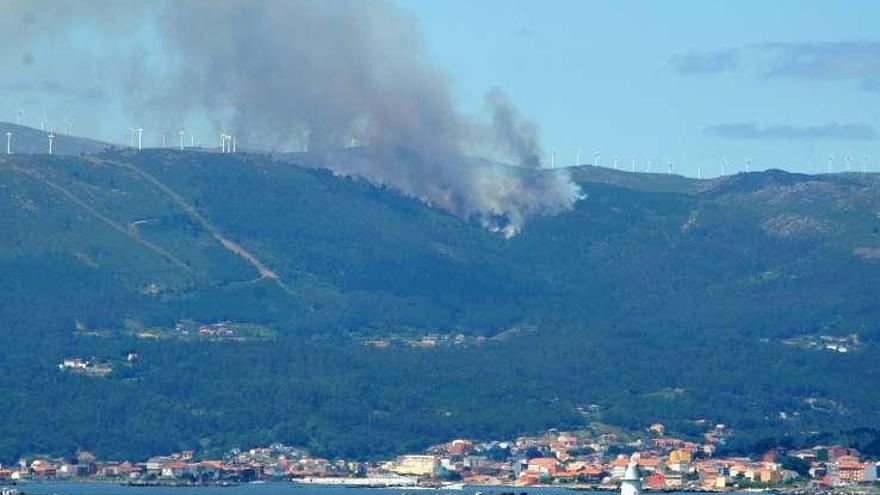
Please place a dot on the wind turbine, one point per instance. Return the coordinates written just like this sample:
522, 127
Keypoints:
748, 164
51, 141
614, 162
724, 166
140, 132
222, 142
181, 139
163, 138
552, 159
634, 163
700, 171
669, 165
192, 140
68, 123
43, 122
596, 157
577, 157
233, 144
8, 143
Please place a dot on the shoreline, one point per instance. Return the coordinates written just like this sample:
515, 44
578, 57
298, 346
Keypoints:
495, 488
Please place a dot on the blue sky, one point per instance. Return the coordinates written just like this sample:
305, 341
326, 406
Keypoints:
651, 79
784, 83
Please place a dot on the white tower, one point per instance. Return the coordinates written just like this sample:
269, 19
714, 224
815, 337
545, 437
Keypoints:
8, 143
634, 163
140, 132
51, 142
596, 158
577, 157
631, 484
181, 133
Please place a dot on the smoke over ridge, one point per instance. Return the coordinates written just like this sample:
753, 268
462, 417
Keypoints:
312, 73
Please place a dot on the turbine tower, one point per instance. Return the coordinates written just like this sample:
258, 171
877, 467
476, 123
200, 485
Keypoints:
634, 163
233, 144
669, 165
8, 143
68, 123
577, 157
724, 166
596, 158
552, 159
748, 164
181, 139
865, 164
140, 132
700, 171
43, 122
51, 142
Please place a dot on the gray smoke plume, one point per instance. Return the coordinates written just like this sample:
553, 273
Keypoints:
518, 135
323, 73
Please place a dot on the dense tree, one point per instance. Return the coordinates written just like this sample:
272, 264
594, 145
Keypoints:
655, 299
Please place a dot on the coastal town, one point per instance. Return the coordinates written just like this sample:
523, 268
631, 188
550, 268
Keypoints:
579, 459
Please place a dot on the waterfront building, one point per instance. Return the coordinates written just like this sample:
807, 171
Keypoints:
417, 465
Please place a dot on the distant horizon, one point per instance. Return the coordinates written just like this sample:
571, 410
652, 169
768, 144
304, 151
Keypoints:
708, 172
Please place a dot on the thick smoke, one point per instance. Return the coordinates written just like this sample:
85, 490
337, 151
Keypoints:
322, 73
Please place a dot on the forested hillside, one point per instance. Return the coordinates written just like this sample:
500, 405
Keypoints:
656, 298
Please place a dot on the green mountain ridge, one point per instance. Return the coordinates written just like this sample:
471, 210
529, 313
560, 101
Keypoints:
652, 282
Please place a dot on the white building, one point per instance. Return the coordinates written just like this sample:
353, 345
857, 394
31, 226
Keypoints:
417, 465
